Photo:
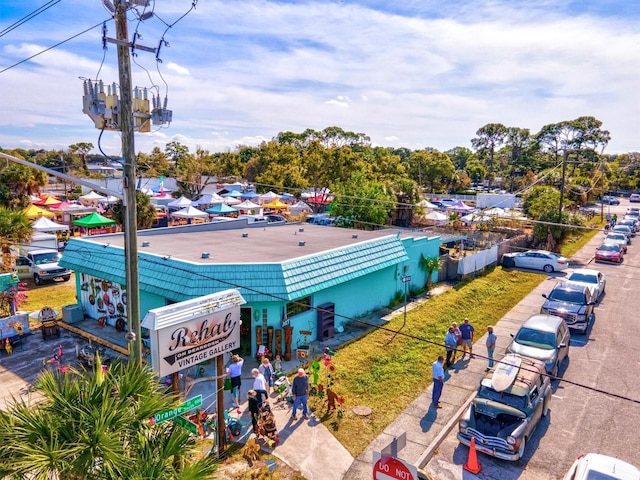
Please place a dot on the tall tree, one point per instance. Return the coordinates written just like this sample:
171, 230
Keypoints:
145, 211
176, 152
488, 140
434, 169
361, 201
81, 149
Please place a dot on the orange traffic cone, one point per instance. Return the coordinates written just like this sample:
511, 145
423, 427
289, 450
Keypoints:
472, 464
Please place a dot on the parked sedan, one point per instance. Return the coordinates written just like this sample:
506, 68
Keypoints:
617, 239
609, 252
625, 229
593, 279
610, 200
634, 198
539, 260
596, 466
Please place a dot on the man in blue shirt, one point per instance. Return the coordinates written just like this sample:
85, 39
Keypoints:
467, 338
491, 346
438, 381
450, 344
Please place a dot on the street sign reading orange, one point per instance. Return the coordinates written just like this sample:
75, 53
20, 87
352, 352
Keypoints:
391, 468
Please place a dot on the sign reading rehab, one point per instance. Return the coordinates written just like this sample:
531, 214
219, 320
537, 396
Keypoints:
188, 333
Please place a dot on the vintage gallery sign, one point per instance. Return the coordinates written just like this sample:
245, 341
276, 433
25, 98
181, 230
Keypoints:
185, 334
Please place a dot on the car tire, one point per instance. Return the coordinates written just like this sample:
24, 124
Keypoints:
523, 445
36, 279
66, 279
554, 370
548, 268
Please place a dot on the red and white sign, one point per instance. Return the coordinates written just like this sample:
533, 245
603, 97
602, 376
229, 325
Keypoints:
392, 468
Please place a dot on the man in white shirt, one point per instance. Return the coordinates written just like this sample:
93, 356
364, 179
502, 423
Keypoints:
259, 385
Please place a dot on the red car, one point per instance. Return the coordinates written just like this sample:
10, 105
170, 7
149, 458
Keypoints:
609, 253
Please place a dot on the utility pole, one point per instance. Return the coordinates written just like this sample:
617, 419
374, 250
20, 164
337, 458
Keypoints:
564, 171
134, 335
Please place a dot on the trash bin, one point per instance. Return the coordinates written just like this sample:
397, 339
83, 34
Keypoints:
72, 313
508, 261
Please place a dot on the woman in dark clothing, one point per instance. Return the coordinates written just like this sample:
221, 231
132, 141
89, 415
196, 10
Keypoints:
254, 409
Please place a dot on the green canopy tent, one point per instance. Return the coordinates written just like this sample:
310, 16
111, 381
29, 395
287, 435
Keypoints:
95, 224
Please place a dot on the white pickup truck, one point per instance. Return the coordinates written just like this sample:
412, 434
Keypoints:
41, 265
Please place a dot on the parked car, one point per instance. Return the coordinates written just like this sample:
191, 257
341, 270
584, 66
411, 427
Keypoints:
42, 266
501, 422
276, 219
630, 222
634, 198
624, 229
538, 260
572, 302
633, 211
617, 239
610, 200
594, 466
593, 279
545, 338
609, 252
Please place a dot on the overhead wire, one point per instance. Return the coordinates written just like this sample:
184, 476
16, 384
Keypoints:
28, 17
53, 46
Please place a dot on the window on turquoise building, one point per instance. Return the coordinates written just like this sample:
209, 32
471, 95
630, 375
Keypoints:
299, 306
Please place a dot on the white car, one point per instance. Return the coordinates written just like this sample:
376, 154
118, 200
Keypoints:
596, 466
594, 280
625, 229
540, 260
617, 239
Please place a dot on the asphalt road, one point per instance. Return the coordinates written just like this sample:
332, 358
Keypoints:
581, 420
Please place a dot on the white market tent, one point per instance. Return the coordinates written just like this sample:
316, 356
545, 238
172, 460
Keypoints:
425, 204
208, 199
91, 198
268, 197
299, 207
190, 212
182, 202
43, 224
437, 218
232, 201
247, 205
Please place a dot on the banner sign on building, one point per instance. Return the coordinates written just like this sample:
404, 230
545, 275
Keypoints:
188, 333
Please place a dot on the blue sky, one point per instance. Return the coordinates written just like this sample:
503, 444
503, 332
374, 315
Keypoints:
417, 73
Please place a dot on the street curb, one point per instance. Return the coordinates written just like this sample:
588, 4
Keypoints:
435, 443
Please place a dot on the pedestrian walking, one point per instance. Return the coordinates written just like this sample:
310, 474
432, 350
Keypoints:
615, 219
234, 370
458, 335
491, 346
450, 344
438, 381
254, 409
467, 338
260, 386
300, 393
266, 369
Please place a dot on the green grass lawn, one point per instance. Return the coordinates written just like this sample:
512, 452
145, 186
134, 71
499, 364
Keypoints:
387, 377
54, 295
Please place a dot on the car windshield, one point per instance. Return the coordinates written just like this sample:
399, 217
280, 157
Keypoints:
609, 248
42, 258
616, 236
502, 397
583, 277
536, 338
567, 296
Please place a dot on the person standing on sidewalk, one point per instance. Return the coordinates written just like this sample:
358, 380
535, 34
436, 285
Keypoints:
234, 370
438, 381
491, 346
300, 393
450, 343
467, 338
260, 386
458, 335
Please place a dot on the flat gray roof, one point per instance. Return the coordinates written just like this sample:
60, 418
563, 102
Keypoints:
270, 244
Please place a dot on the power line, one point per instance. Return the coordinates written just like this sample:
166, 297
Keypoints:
351, 319
28, 17
53, 46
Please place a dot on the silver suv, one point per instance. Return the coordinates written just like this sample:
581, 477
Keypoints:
544, 337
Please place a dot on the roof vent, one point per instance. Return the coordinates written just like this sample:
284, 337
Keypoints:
301, 229
245, 235
145, 244
302, 244
204, 255
355, 235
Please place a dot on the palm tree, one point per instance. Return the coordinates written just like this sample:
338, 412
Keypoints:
15, 229
95, 425
429, 265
